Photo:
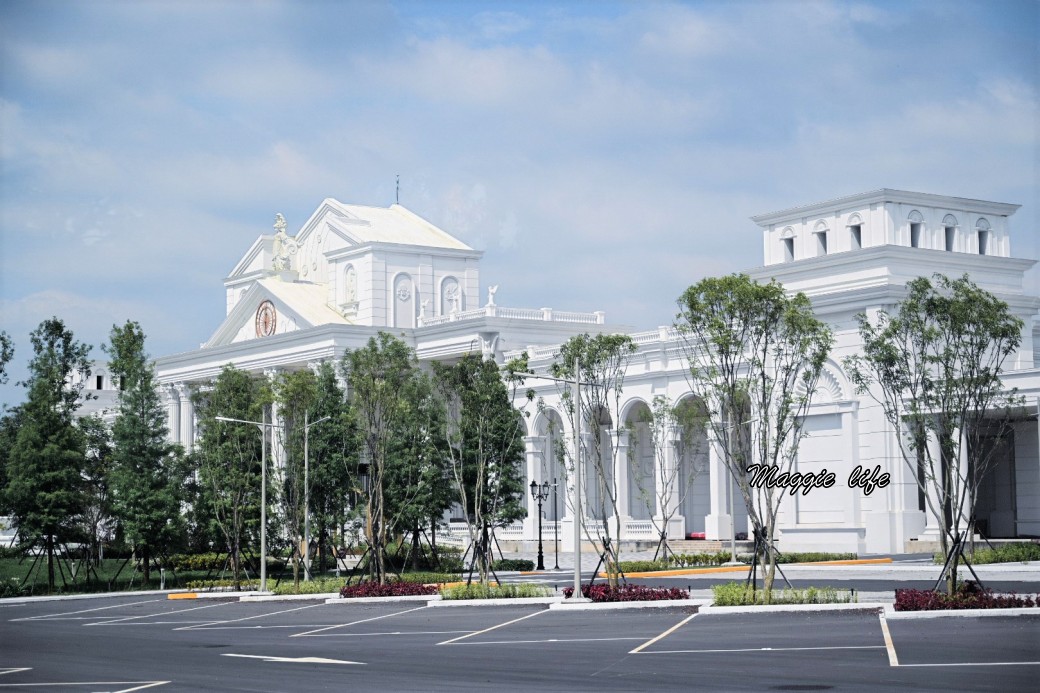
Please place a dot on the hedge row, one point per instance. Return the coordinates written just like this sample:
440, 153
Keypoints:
968, 596
627, 593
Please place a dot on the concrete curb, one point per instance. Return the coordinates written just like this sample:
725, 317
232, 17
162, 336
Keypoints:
324, 596
787, 608
970, 613
70, 597
385, 600
614, 606
216, 595
500, 601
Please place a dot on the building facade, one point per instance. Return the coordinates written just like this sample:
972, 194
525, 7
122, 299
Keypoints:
351, 271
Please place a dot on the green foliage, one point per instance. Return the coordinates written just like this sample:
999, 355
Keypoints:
146, 491
741, 594
6, 354
935, 368
1019, 552
755, 355
378, 376
476, 590
97, 473
223, 585
643, 566
44, 485
324, 585
228, 457
513, 564
690, 560
485, 442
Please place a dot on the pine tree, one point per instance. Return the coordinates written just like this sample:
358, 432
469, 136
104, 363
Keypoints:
146, 497
44, 485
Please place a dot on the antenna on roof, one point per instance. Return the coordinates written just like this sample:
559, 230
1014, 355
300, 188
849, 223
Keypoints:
397, 193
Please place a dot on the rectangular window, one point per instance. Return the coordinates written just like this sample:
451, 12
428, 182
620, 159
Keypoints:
788, 250
951, 235
915, 235
100, 382
983, 242
856, 234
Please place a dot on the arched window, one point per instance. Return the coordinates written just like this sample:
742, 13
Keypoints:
855, 227
916, 229
983, 230
950, 231
820, 231
787, 241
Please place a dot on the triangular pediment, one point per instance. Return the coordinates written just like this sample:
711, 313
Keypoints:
288, 306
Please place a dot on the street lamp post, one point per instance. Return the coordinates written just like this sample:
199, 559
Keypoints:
307, 496
539, 493
263, 490
556, 526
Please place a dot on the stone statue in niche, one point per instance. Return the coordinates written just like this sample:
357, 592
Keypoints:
351, 289
452, 297
284, 247
422, 308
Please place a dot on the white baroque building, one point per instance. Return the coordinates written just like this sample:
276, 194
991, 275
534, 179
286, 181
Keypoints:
351, 271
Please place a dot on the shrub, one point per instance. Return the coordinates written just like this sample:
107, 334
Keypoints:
511, 591
212, 561
220, 584
968, 596
1004, 553
689, 560
390, 589
642, 566
742, 594
315, 586
513, 564
426, 577
627, 593
11, 588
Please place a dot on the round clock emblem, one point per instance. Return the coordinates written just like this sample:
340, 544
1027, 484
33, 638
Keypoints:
266, 319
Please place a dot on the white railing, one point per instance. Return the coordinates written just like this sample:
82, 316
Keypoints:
639, 528
543, 314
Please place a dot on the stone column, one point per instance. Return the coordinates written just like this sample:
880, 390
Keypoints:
187, 417
934, 502
277, 445
173, 412
533, 446
622, 468
718, 524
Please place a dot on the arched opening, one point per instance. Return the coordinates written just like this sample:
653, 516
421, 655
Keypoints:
692, 454
552, 464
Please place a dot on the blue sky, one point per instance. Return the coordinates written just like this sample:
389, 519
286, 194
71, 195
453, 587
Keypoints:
605, 155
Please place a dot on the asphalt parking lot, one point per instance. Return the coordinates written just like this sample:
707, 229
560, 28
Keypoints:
132, 643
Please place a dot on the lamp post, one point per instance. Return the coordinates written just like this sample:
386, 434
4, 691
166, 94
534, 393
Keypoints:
556, 526
307, 496
540, 492
263, 490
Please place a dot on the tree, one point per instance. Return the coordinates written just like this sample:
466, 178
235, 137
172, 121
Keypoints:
44, 486
146, 495
333, 459
934, 368
229, 457
675, 438
97, 472
6, 354
755, 355
419, 469
378, 376
603, 362
484, 433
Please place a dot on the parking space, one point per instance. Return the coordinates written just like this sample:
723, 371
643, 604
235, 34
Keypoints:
967, 642
221, 644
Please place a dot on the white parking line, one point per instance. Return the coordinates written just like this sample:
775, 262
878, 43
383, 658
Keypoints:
246, 618
893, 660
140, 685
665, 634
364, 620
975, 664
121, 621
83, 611
518, 642
770, 649
486, 630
